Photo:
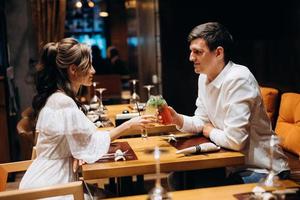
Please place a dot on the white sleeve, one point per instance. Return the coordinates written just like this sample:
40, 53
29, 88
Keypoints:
85, 142
195, 123
239, 100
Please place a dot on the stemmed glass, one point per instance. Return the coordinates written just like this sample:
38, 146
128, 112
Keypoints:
158, 192
150, 109
135, 98
94, 102
272, 180
101, 107
149, 87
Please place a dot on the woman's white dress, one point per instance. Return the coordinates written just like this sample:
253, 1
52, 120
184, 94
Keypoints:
64, 133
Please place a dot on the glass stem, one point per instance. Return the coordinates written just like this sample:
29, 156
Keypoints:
133, 88
271, 158
100, 97
148, 93
157, 183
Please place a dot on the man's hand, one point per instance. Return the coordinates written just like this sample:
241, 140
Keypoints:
207, 129
177, 119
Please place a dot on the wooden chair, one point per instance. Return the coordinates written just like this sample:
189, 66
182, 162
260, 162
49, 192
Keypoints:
74, 188
7, 168
28, 113
26, 131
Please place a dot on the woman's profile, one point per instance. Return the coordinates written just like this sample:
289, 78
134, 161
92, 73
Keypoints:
65, 133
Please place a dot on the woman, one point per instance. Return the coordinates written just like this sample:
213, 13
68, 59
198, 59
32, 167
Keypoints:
64, 130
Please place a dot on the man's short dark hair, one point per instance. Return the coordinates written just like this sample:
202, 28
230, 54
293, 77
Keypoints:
215, 35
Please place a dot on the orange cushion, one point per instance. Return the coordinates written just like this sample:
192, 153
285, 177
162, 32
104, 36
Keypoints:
270, 96
288, 122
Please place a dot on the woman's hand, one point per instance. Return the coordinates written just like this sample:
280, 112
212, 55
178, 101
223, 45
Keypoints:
76, 164
141, 122
137, 123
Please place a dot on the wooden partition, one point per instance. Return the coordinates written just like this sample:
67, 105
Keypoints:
4, 147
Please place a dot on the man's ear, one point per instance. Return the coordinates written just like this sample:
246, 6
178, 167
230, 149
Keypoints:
220, 52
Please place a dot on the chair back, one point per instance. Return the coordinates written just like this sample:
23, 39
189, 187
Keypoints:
6, 168
288, 122
26, 131
28, 113
73, 188
270, 100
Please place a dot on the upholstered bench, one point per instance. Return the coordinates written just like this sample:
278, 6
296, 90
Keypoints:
288, 130
270, 100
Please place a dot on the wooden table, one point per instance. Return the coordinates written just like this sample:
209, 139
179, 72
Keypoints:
224, 192
170, 161
145, 163
113, 110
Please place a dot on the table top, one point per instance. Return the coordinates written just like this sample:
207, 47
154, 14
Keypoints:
170, 161
224, 192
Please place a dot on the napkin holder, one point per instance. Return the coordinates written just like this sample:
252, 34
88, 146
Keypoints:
200, 148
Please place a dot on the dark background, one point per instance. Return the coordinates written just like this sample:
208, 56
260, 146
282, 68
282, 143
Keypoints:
266, 34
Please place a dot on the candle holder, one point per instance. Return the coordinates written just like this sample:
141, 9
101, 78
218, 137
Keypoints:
158, 192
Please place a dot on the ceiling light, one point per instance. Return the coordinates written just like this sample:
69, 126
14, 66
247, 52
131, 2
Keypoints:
103, 14
78, 4
91, 4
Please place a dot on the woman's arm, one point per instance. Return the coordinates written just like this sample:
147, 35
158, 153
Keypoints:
136, 123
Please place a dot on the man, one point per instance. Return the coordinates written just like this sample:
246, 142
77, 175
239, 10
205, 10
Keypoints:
230, 111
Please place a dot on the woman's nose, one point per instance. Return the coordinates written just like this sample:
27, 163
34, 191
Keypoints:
93, 71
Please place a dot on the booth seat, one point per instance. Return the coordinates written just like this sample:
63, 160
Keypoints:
288, 130
288, 122
287, 125
270, 100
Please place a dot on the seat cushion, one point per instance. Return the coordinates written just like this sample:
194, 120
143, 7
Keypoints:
270, 98
288, 122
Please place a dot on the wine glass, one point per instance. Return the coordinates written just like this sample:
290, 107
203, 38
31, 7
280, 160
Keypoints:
135, 98
149, 87
150, 109
158, 192
101, 107
272, 180
94, 102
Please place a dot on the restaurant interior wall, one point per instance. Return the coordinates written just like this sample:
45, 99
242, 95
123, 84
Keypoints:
267, 36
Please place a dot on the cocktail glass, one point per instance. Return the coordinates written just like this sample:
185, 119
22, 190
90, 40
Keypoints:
150, 109
164, 110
